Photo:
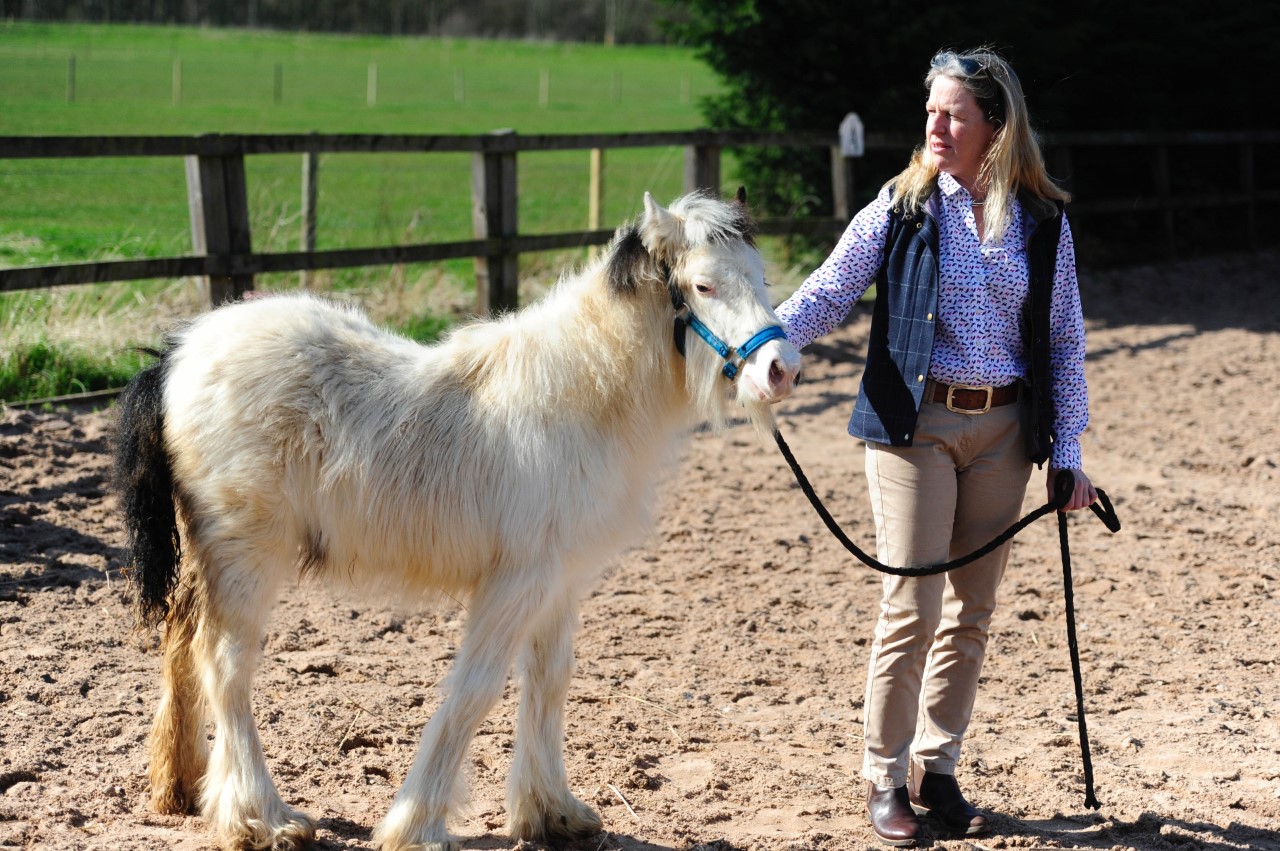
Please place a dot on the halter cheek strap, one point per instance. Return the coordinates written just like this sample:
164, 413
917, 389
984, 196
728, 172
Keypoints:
734, 358
677, 301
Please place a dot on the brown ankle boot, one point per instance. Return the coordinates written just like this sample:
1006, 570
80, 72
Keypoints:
939, 795
891, 817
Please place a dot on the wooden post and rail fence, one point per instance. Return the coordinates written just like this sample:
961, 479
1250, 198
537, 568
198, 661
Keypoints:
222, 243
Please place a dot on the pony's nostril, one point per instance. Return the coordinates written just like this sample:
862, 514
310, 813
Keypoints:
778, 375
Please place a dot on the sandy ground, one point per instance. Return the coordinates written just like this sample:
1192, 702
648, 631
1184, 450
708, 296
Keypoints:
717, 702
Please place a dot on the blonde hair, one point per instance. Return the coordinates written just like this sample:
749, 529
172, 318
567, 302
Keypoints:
1013, 161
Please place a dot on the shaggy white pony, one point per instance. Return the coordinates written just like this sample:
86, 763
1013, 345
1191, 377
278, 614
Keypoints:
505, 465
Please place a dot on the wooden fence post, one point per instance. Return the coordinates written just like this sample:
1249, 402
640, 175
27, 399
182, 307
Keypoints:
702, 168
310, 194
493, 214
852, 143
218, 204
595, 194
1164, 190
610, 22
71, 78
1248, 186
595, 198
842, 185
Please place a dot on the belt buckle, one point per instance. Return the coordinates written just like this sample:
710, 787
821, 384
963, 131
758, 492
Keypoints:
985, 388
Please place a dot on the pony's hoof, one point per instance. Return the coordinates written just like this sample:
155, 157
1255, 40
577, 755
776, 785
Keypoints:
397, 832
569, 819
174, 801
298, 833
175, 792
293, 833
434, 845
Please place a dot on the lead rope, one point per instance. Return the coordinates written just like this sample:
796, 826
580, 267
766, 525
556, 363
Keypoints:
1062, 487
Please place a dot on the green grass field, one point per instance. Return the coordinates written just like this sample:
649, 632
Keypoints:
80, 209
124, 84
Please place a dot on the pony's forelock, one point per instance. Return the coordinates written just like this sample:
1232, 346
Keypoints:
708, 220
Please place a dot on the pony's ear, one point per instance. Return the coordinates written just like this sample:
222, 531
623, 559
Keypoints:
661, 230
742, 195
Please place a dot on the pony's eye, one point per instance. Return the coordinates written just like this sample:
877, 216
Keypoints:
704, 289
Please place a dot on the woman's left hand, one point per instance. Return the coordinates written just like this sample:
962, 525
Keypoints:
1082, 495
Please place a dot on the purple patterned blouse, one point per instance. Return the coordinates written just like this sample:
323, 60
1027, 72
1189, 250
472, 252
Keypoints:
981, 290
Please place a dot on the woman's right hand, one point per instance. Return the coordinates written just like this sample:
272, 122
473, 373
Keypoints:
1083, 493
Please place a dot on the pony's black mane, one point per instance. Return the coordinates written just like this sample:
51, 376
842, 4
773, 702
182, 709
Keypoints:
626, 260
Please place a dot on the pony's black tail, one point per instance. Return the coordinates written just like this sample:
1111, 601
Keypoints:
144, 482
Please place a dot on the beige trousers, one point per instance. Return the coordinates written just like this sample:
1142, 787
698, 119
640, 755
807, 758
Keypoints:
956, 488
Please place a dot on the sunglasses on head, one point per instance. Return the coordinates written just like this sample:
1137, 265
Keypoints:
971, 66
974, 68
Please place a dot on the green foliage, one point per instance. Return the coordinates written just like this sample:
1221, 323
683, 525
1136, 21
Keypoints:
424, 327
45, 368
1084, 65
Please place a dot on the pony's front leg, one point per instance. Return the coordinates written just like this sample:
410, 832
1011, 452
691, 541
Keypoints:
539, 804
499, 617
238, 798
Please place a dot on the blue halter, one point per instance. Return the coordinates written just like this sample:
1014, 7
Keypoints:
734, 358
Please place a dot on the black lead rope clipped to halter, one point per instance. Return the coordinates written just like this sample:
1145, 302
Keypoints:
1062, 488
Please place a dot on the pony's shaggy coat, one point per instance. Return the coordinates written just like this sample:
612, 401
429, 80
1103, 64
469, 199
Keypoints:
504, 466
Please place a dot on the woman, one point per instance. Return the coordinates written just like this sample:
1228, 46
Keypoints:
975, 371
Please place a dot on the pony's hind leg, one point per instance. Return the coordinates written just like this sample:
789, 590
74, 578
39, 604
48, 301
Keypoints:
178, 753
238, 798
539, 804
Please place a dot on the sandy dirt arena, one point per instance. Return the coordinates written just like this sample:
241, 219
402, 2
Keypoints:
717, 703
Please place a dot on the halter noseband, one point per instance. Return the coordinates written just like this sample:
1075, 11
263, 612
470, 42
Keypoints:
734, 358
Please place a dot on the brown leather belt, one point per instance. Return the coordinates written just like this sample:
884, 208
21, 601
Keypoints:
965, 399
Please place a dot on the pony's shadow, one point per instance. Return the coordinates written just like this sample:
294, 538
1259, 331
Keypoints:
25, 536
341, 834
33, 539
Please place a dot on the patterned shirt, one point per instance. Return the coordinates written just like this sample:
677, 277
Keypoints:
981, 290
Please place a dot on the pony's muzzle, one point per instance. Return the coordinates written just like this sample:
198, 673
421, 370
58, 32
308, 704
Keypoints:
772, 372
